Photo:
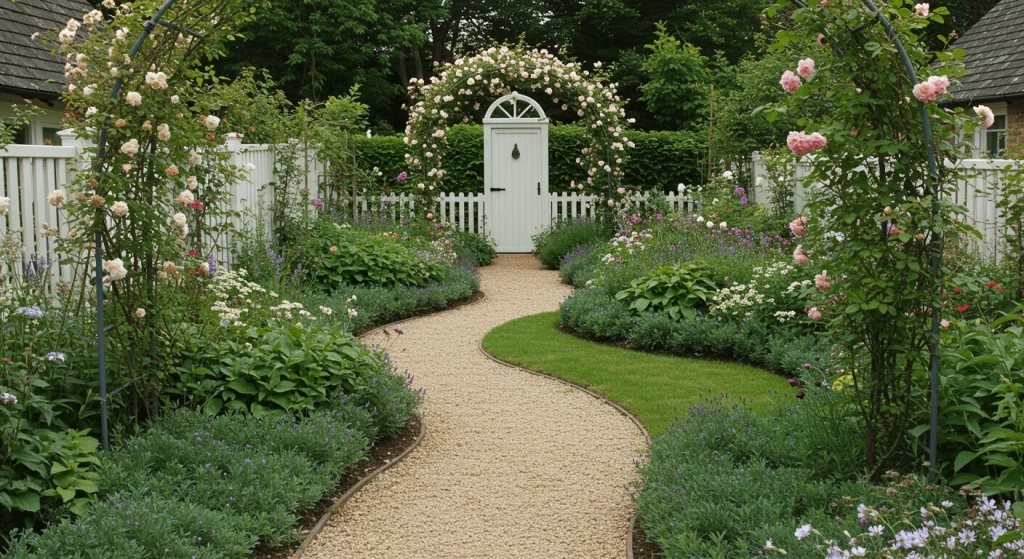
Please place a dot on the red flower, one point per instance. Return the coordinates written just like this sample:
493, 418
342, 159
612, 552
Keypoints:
963, 308
197, 205
956, 290
193, 253
991, 284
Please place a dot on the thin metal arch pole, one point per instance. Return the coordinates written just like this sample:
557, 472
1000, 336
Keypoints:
101, 153
933, 172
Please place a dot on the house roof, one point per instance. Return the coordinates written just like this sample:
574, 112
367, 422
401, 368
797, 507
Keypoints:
27, 67
994, 61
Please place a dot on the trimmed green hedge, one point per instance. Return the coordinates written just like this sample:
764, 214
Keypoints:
660, 161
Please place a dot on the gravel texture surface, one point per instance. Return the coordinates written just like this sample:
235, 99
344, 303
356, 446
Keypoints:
513, 465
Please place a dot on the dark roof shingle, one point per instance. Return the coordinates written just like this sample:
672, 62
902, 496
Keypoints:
27, 67
994, 61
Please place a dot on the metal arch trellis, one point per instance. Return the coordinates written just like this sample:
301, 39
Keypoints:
101, 153
935, 240
492, 71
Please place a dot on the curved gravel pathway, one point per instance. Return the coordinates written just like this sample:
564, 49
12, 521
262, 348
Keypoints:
513, 465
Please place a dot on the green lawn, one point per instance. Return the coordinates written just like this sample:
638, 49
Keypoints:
655, 388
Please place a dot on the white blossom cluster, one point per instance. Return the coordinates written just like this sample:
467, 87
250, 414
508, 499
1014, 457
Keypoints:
743, 300
234, 296
457, 89
625, 245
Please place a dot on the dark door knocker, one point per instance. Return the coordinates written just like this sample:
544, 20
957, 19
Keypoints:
515, 151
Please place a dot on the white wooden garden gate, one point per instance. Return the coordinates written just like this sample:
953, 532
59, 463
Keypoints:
516, 172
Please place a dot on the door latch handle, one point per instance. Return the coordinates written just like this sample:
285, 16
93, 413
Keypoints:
497, 190
538, 189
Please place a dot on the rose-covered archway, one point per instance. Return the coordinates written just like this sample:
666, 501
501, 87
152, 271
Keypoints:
467, 85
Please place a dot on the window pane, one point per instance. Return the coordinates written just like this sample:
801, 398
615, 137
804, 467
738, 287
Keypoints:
995, 142
50, 136
1000, 123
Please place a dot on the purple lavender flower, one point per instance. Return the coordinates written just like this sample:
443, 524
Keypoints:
402, 177
212, 262
317, 203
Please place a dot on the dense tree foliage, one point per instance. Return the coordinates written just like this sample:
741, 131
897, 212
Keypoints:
318, 48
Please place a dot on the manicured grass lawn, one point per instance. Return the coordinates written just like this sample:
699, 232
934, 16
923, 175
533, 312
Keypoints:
656, 388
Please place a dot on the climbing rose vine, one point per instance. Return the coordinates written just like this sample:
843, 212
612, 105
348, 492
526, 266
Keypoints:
467, 86
875, 217
153, 199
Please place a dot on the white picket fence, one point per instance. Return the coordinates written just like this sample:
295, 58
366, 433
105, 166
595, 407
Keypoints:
467, 211
976, 194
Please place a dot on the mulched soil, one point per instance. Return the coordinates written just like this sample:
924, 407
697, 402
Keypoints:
381, 453
642, 549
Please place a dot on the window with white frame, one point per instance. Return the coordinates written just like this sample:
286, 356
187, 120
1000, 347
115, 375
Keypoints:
992, 142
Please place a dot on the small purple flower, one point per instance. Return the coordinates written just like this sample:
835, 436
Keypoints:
31, 312
399, 331
740, 191
317, 203
8, 399
402, 177
212, 262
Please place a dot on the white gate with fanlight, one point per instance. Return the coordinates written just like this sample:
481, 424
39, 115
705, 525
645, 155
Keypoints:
516, 172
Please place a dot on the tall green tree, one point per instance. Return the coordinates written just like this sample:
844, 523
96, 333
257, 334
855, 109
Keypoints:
678, 82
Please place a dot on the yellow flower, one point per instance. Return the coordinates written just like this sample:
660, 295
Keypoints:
842, 382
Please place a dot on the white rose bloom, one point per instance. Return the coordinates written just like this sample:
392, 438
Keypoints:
211, 122
185, 198
134, 98
700, 219
194, 158
120, 209
130, 148
175, 99
91, 111
727, 175
192, 183
55, 198
723, 225
711, 225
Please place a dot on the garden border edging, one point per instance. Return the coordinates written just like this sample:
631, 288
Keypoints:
620, 409
338, 503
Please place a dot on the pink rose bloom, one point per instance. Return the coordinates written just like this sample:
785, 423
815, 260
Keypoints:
790, 82
925, 92
893, 230
814, 314
940, 83
944, 323
801, 143
798, 226
799, 257
986, 114
805, 68
922, 9
821, 280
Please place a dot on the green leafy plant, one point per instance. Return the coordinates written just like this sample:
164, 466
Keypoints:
335, 256
679, 290
271, 370
565, 235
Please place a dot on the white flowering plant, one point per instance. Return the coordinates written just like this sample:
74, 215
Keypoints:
152, 198
468, 85
777, 291
942, 527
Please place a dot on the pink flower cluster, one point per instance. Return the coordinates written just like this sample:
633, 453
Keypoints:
799, 257
802, 143
931, 90
922, 9
805, 67
798, 226
790, 81
986, 114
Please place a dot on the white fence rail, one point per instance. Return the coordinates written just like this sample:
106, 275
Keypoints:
978, 193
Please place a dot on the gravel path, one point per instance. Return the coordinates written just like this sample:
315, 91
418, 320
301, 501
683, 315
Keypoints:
513, 465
